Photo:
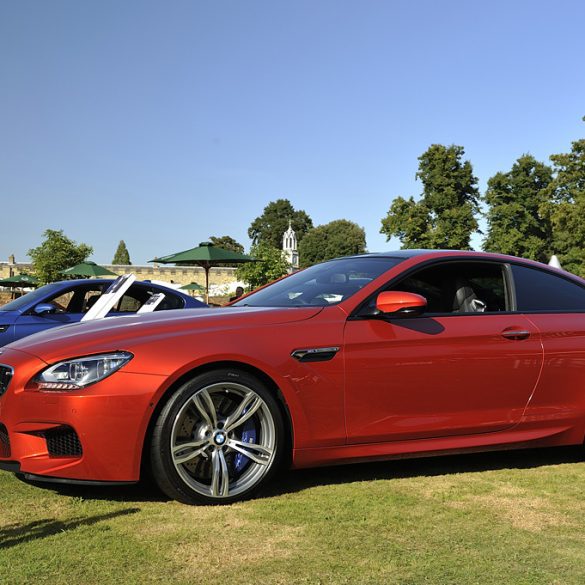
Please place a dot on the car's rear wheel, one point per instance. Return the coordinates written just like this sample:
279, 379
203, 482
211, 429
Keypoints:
218, 439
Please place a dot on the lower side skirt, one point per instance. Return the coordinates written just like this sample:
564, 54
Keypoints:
515, 438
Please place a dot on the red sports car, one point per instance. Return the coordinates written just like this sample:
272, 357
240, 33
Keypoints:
360, 358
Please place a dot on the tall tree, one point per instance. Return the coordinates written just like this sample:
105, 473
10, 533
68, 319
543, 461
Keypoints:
227, 243
272, 265
271, 225
337, 238
122, 256
56, 253
445, 214
566, 208
515, 223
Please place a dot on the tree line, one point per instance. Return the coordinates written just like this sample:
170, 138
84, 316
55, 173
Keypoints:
533, 210
316, 244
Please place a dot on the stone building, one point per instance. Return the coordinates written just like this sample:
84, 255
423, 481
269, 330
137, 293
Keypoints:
220, 278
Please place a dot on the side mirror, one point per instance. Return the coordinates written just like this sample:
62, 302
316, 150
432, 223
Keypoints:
401, 304
44, 308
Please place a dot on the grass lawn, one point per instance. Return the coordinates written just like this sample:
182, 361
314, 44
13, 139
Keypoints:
516, 517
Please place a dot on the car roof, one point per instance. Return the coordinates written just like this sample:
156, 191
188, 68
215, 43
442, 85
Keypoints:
471, 254
92, 281
411, 253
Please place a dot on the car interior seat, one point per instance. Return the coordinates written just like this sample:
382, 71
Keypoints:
465, 299
91, 302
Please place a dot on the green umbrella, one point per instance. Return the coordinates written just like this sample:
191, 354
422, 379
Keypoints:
205, 255
193, 286
19, 281
88, 269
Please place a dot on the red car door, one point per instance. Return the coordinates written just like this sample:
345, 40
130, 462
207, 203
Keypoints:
454, 373
555, 303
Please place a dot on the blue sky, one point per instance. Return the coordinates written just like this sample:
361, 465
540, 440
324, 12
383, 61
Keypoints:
164, 123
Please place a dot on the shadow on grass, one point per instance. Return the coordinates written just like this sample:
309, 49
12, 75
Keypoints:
144, 491
15, 534
295, 481
299, 480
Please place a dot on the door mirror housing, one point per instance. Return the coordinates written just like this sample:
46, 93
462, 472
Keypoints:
44, 309
401, 304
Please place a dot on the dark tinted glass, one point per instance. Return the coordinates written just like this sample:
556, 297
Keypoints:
137, 295
458, 287
170, 301
537, 290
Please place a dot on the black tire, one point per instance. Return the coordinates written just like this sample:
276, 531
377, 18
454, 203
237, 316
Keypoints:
218, 439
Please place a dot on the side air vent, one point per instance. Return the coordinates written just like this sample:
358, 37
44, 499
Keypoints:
315, 354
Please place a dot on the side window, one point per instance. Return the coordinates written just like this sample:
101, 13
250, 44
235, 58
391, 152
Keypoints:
128, 304
459, 287
136, 296
77, 300
62, 301
170, 301
538, 290
132, 300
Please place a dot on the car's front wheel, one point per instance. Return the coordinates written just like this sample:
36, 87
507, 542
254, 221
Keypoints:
218, 439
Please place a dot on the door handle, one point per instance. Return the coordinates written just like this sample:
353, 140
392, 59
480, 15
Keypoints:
516, 334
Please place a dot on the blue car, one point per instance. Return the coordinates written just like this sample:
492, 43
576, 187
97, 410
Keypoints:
60, 303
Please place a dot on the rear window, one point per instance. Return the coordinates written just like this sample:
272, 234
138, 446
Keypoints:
538, 291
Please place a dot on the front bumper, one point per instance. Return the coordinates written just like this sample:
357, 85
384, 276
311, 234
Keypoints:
14, 467
91, 435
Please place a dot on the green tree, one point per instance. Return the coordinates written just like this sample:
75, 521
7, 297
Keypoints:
271, 225
273, 265
122, 256
227, 243
566, 208
515, 198
56, 253
337, 238
445, 215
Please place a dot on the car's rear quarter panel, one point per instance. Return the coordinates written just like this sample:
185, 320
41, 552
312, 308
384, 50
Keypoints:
560, 394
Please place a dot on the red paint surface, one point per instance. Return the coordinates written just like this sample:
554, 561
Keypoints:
396, 387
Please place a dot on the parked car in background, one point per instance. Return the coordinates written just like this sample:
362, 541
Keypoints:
362, 358
61, 303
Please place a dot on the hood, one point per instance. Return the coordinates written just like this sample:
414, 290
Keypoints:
123, 332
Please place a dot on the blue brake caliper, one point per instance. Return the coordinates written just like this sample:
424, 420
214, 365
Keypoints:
248, 436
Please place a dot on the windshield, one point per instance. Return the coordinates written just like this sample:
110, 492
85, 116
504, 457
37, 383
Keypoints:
31, 297
321, 285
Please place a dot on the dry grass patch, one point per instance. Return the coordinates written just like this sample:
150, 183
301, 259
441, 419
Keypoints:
516, 506
236, 549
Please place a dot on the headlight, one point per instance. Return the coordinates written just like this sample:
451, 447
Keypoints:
80, 372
